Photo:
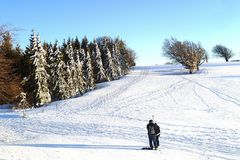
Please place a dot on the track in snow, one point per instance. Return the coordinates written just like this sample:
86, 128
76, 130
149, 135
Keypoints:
192, 111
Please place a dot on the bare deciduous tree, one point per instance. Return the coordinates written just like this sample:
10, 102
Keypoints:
6, 30
189, 54
131, 57
3, 30
222, 51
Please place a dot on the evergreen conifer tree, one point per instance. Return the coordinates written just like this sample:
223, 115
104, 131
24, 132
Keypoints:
122, 57
108, 63
82, 57
89, 75
51, 60
76, 44
84, 44
37, 83
60, 86
99, 72
117, 56
57, 80
71, 74
80, 77
115, 63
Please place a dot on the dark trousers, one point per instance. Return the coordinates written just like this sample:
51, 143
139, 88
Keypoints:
152, 140
157, 139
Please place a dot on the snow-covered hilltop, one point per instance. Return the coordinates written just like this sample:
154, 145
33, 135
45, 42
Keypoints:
199, 116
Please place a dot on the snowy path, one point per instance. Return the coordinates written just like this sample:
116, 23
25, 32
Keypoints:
199, 116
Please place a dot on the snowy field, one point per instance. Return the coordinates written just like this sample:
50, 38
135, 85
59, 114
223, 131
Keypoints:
199, 116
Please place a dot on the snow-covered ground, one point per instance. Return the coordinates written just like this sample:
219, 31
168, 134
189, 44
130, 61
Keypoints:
199, 116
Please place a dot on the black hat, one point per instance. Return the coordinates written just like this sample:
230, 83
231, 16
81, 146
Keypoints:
151, 121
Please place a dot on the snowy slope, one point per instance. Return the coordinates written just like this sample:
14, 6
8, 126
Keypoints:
199, 116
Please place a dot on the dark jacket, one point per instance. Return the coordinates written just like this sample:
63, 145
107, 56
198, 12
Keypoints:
157, 129
151, 128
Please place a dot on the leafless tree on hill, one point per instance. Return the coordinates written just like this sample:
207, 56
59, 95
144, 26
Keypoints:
189, 54
222, 51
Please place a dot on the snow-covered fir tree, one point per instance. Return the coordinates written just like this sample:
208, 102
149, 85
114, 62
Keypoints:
84, 44
22, 101
99, 72
71, 74
41, 49
106, 45
115, 63
80, 78
124, 65
60, 85
70, 86
89, 75
82, 55
108, 63
37, 83
57, 80
83, 61
76, 44
51, 60
33, 44
117, 56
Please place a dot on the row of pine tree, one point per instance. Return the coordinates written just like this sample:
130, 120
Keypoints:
55, 72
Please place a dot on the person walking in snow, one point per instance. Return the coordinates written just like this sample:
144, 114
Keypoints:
152, 136
158, 131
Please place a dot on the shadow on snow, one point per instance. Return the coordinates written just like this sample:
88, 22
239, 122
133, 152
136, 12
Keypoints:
3, 116
82, 146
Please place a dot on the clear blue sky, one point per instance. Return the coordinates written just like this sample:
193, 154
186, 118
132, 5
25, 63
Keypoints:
143, 24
